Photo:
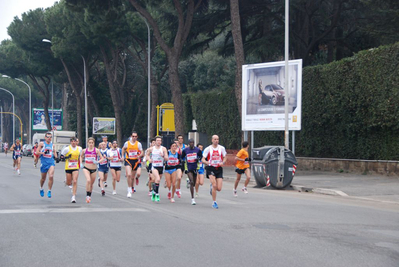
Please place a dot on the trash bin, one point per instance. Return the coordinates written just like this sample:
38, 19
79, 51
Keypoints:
277, 162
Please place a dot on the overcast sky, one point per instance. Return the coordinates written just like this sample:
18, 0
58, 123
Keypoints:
11, 8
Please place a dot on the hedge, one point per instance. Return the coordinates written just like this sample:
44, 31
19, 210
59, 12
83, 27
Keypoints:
350, 109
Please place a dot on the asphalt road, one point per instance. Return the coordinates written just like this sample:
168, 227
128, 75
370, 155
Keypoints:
262, 228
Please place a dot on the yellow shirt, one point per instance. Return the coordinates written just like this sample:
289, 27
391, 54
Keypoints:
73, 162
242, 154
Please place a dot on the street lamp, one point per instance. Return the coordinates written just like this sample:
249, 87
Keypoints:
30, 107
148, 81
52, 93
13, 111
84, 75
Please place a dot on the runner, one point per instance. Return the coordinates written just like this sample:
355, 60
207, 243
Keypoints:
180, 169
35, 156
132, 151
214, 157
114, 155
5, 145
90, 155
242, 165
71, 154
192, 156
170, 171
105, 140
148, 167
200, 174
103, 167
47, 153
156, 155
17, 155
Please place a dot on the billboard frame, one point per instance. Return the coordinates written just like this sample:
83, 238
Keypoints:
112, 120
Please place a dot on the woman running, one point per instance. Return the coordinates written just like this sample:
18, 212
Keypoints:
171, 171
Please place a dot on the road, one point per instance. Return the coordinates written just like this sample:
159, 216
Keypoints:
262, 228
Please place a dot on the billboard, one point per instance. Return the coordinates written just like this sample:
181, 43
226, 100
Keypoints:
39, 120
263, 96
104, 126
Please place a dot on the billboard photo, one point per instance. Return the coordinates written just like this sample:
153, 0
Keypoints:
39, 119
264, 93
104, 126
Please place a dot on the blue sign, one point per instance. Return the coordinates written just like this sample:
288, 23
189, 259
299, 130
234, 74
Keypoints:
39, 119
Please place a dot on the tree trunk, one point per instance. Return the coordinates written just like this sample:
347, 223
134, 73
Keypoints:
177, 98
238, 50
64, 106
79, 119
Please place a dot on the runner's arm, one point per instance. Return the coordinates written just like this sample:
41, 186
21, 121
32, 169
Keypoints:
165, 154
39, 149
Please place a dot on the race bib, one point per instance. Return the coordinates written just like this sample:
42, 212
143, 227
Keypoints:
90, 160
72, 164
157, 163
17, 153
173, 161
115, 159
132, 153
192, 158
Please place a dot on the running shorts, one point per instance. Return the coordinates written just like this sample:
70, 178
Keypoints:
201, 171
103, 169
45, 167
117, 169
71, 171
159, 169
240, 171
90, 170
134, 163
217, 172
170, 171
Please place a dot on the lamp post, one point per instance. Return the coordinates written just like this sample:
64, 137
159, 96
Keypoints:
13, 111
30, 106
148, 80
286, 87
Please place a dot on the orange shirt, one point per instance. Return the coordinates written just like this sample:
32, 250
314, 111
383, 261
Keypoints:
242, 154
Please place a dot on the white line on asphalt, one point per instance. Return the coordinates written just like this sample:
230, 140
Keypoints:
70, 210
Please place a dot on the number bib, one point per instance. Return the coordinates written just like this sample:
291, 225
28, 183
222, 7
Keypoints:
192, 158
72, 164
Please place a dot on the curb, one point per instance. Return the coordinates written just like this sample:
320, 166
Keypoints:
323, 191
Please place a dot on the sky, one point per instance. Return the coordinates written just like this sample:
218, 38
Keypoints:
11, 8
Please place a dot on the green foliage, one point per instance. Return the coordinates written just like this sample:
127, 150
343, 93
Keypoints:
215, 112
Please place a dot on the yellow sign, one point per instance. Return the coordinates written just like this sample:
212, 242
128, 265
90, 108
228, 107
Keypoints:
165, 118
294, 118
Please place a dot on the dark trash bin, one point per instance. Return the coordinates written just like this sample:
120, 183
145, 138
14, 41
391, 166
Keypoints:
277, 162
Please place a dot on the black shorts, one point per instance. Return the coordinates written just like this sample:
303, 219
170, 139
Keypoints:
217, 172
149, 167
193, 171
241, 171
134, 163
90, 170
159, 169
117, 169
71, 171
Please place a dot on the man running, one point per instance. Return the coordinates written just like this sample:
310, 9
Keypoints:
114, 156
47, 153
192, 156
71, 154
148, 166
5, 145
214, 157
35, 156
108, 145
132, 151
180, 147
242, 165
157, 155
103, 167
201, 172
17, 155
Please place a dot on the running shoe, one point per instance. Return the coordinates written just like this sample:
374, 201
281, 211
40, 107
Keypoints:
149, 193
153, 196
102, 192
98, 181
172, 200
73, 200
165, 185
70, 186
235, 193
157, 198
178, 194
133, 190
210, 191
129, 195
137, 181
35, 166
114, 192
49, 194
196, 195
105, 184
64, 182
215, 205
88, 199
169, 195
244, 189
187, 183
41, 192
19, 173
146, 184
193, 201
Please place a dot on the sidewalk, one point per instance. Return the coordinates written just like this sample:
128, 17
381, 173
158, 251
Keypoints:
371, 187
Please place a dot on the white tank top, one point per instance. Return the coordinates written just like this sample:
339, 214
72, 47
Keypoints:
157, 159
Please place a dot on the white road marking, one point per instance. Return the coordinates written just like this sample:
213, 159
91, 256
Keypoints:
69, 210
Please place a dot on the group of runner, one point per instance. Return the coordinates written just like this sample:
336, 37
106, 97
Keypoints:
179, 158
